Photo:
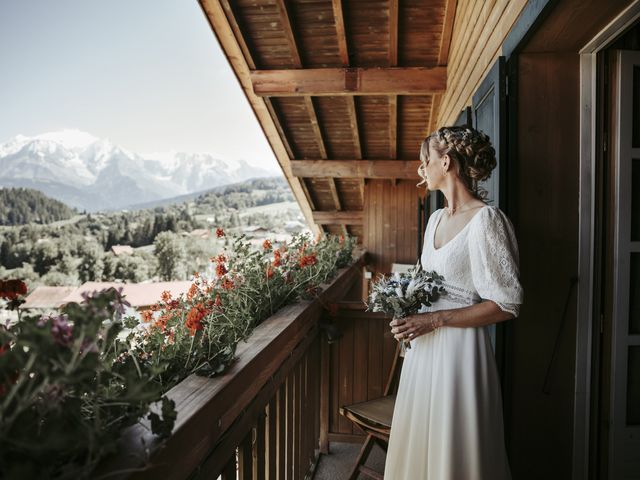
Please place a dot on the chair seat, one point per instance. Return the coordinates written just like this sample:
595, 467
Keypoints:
378, 411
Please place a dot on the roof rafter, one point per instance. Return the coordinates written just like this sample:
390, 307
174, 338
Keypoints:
351, 217
308, 101
349, 81
390, 169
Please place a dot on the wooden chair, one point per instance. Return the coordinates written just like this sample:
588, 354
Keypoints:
374, 418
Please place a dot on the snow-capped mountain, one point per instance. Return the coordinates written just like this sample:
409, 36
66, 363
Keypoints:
95, 174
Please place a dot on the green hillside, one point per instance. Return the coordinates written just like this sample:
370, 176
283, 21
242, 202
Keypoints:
20, 206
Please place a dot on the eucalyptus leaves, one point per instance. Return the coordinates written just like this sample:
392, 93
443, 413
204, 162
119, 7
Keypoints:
403, 294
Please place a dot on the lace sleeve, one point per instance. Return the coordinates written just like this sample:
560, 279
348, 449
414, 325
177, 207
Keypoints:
493, 251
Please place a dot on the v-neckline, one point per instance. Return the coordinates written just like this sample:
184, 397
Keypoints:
435, 228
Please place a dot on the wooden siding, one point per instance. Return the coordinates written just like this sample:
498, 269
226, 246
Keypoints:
479, 29
391, 223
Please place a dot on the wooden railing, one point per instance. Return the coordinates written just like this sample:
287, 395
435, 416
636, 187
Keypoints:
260, 419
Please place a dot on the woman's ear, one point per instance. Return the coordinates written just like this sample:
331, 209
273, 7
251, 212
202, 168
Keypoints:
446, 161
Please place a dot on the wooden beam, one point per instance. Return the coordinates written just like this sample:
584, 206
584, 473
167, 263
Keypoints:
401, 169
393, 33
221, 27
393, 126
288, 31
353, 122
349, 81
278, 124
447, 31
334, 194
340, 32
307, 193
237, 31
315, 125
345, 217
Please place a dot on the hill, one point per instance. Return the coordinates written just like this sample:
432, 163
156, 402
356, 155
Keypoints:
20, 206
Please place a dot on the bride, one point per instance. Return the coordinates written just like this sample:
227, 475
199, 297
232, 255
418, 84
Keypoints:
447, 420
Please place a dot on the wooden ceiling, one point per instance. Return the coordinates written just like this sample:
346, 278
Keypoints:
345, 91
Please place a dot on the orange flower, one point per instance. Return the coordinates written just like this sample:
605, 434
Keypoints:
221, 270
219, 232
269, 271
194, 318
218, 302
341, 241
193, 290
308, 260
166, 296
161, 323
266, 245
196, 275
147, 316
277, 258
219, 259
227, 284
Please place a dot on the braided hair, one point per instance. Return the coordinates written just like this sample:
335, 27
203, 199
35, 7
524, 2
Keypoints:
471, 151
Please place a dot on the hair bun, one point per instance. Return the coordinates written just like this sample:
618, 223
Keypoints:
482, 158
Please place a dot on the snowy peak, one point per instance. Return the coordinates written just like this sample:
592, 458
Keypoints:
95, 174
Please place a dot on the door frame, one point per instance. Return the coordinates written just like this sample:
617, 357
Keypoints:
588, 320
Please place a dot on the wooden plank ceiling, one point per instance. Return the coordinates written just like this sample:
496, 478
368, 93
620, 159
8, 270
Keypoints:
344, 90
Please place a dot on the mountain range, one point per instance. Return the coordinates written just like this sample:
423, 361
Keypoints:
94, 174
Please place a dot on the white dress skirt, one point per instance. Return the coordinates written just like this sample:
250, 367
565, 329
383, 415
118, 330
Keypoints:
447, 421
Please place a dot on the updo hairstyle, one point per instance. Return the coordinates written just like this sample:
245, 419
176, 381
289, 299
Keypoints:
470, 150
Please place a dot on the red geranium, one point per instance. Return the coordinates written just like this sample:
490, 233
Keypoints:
308, 260
12, 289
194, 318
277, 258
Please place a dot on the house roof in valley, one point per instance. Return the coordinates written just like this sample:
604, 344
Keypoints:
122, 250
137, 294
47, 297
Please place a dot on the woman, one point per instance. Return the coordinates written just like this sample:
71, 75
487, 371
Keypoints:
447, 421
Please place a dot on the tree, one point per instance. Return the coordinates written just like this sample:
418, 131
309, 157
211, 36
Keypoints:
169, 250
91, 262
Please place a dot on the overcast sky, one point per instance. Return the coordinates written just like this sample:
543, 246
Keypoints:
148, 74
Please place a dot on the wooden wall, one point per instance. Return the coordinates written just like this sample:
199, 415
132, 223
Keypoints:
391, 222
479, 29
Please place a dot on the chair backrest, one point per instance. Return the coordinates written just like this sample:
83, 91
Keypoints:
394, 373
396, 366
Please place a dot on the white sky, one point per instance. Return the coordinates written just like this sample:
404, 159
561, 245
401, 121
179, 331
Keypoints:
147, 74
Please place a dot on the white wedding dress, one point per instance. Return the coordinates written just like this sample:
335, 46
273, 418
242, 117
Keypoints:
447, 421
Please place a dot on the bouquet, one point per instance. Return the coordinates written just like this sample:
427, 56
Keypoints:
404, 294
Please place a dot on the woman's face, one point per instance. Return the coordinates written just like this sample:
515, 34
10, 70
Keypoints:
431, 169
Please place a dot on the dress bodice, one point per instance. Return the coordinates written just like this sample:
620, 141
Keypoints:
479, 263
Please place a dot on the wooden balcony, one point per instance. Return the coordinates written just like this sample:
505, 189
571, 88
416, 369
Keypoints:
268, 416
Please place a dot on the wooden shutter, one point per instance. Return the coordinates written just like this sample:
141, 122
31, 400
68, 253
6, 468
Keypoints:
489, 108
489, 115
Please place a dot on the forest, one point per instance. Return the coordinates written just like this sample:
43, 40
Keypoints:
70, 248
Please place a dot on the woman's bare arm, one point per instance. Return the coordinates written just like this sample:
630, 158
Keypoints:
478, 315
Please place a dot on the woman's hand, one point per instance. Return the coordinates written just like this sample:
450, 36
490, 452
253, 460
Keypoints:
412, 326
